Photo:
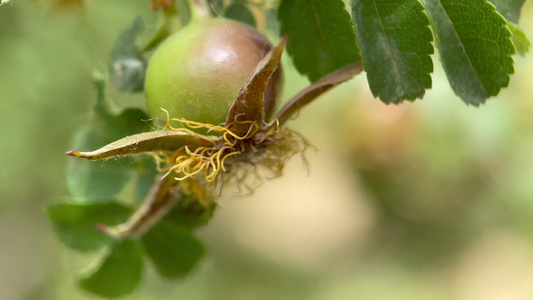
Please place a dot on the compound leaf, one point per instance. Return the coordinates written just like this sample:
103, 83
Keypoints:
321, 36
75, 223
118, 273
173, 250
475, 46
396, 43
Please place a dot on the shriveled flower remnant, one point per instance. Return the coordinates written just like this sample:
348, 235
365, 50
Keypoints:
232, 158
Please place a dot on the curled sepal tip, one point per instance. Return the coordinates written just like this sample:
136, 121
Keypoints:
248, 107
154, 141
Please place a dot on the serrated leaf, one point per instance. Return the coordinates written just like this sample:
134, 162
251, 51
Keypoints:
75, 224
248, 105
520, 40
396, 43
127, 64
475, 46
509, 9
153, 141
117, 274
312, 92
173, 250
321, 36
239, 12
95, 180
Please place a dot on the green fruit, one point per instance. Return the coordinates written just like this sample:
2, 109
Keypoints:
197, 72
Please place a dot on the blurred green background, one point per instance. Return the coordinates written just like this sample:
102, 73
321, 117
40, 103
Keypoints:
427, 200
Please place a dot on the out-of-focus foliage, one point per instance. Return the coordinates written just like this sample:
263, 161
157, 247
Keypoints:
119, 272
239, 12
74, 223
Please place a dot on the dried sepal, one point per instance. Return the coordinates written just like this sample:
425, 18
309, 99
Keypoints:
248, 107
153, 141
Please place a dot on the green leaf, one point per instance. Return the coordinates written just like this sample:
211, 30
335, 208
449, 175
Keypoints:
128, 122
239, 12
126, 42
509, 9
159, 202
475, 46
520, 41
248, 105
75, 224
321, 36
396, 43
146, 176
95, 180
127, 64
153, 141
312, 92
127, 74
189, 213
117, 274
173, 250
